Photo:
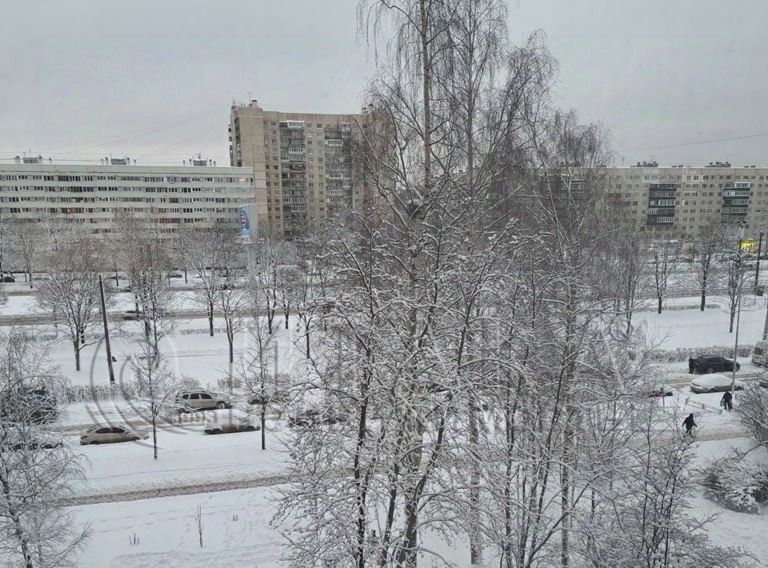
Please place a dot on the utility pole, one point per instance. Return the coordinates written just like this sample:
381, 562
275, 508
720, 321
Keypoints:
106, 332
759, 251
740, 278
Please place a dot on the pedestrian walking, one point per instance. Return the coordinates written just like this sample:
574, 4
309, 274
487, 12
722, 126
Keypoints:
727, 401
689, 424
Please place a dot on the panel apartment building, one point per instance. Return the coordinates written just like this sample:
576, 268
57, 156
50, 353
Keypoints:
675, 201
305, 159
94, 195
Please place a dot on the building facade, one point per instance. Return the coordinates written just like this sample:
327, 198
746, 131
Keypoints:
95, 195
676, 201
305, 159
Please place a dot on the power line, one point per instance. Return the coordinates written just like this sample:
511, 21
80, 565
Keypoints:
748, 136
135, 134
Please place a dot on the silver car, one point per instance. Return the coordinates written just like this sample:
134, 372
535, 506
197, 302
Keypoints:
228, 421
110, 435
191, 401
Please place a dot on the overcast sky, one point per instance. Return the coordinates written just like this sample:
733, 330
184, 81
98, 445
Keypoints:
155, 79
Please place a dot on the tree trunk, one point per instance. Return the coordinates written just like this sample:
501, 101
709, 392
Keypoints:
210, 319
307, 338
263, 421
231, 340
76, 344
732, 317
287, 310
154, 429
661, 300
703, 293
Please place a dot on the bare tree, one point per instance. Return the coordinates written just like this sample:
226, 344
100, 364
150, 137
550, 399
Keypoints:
27, 239
270, 282
157, 387
259, 377
71, 291
148, 264
736, 274
706, 244
204, 251
36, 472
665, 261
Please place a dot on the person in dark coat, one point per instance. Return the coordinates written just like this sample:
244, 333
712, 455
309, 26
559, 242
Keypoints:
727, 400
689, 423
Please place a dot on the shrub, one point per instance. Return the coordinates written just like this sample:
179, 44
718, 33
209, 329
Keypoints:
737, 485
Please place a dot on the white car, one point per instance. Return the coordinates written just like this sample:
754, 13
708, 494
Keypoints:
101, 434
228, 421
714, 382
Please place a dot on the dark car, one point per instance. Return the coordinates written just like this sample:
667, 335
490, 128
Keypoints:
711, 364
661, 391
15, 441
314, 416
7, 279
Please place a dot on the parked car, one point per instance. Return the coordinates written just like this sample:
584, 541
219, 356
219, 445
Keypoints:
760, 353
314, 416
100, 434
175, 275
763, 382
15, 440
269, 398
714, 382
711, 364
228, 421
191, 401
7, 279
29, 404
661, 391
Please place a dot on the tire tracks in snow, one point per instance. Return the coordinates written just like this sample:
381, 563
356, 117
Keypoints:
173, 491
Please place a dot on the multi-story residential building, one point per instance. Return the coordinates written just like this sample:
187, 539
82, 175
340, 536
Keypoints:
95, 195
306, 160
677, 200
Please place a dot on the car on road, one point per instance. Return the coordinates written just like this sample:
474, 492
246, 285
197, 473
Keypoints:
228, 421
194, 400
7, 279
714, 382
313, 416
760, 353
102, 434
711, 364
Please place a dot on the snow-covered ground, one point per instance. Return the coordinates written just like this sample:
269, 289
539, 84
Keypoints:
186, 456
237, 532
694, 328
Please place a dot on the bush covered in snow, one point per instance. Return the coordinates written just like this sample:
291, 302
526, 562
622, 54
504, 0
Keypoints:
737, 485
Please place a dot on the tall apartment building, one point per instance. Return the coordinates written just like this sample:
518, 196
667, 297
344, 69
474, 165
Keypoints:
94, 195
306, 160
677, 200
